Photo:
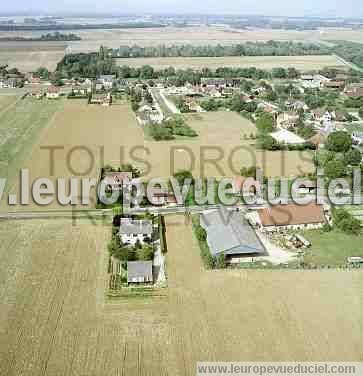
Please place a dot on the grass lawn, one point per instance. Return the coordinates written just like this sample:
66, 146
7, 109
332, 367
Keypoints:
332, 248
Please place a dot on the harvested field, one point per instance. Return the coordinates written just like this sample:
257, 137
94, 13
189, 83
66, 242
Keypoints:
115, 129
221, 138
302, 63
21, 123
29, 56
6, 101
54, 319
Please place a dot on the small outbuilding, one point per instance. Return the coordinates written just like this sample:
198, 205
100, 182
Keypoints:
140, 272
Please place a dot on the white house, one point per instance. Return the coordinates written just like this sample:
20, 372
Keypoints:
287, 137
133, 231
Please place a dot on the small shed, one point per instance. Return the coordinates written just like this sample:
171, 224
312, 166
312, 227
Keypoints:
140, 272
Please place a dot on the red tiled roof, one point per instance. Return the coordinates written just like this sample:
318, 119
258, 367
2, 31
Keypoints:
292, 214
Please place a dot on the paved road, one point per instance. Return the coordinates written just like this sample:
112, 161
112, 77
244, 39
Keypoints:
109, 212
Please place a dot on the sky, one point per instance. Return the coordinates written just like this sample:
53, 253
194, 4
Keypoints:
324, 8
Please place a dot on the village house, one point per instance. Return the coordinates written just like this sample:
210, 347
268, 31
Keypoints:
115, 180
160, 197
296, 106
290, 217
133, 231
107, 81
287, 120
37, 93
7, 83
52, 92
140, 272
307, 187
322, 116
268, 108
101, 99
354, 90
335, 85
229, 233
313, 81
357, 138
245, 186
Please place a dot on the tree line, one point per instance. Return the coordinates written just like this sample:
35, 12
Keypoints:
270, 48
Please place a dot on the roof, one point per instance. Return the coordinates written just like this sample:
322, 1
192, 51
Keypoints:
287, 137
238, 182
135, 226
292, 214
318, 139
139, 271
117, 177
53, 89
229, 233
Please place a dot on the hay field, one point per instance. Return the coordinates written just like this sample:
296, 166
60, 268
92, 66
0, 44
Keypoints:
54, 319
29, 56
302, 63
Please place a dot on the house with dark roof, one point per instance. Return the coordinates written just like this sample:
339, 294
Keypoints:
291, 217
229, 233
140, 272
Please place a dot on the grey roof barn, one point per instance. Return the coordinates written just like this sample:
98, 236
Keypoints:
228, 232
139, 271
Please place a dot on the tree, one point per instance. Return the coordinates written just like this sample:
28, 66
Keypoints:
339, 142
265, 123
361, 112
279, 73
182, 175
353, 157
335, 169
42, 73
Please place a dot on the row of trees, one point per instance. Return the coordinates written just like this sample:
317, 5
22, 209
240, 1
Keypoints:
270, 48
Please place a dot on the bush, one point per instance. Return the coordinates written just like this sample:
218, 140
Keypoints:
345, 222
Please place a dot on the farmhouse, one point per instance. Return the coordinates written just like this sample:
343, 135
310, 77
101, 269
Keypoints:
230, 234
52, 92
287, 137
252, 186
354, 90
135, 230
291, 217
115, 180
140, 272
101, 99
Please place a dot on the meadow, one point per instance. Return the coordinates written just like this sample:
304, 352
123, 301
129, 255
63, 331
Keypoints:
302, 63
55, 318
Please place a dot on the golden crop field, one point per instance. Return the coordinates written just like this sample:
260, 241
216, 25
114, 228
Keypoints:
55, 320
29, 56
302, 63
88, 137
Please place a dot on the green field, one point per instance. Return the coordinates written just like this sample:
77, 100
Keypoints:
332, 248
20, 126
